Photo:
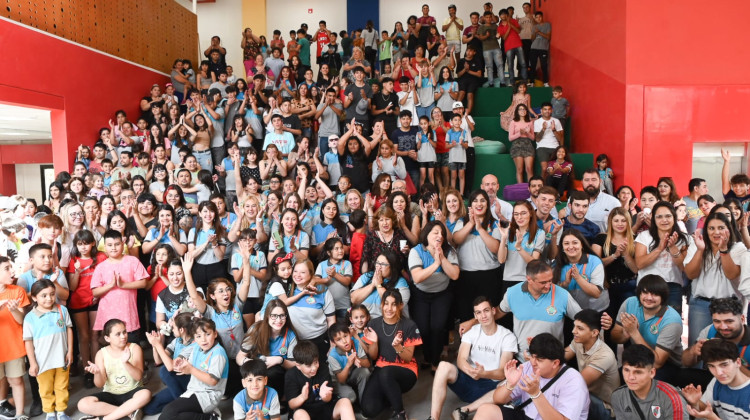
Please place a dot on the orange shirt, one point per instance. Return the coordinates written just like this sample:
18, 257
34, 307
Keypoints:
12, 332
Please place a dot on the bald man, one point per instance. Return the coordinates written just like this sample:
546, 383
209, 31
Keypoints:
502, 210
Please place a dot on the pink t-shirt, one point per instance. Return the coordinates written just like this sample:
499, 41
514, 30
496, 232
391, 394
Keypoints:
118, 303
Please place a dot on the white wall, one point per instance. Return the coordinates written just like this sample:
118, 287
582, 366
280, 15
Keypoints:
223, 18
392, 11
29, 181
286, 15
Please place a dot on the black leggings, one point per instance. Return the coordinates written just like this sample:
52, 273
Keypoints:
386, 387
184, 409
430, 312
204, 273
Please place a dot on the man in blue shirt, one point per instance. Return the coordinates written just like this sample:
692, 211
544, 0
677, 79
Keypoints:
576, 219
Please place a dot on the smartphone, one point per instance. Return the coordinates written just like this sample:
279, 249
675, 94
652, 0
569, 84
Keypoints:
504, 224
276, 235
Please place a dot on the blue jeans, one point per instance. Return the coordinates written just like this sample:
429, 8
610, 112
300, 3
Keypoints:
495, 56
511, 55
699, 317
675, 297
174, 386
323, 146
597, 410
204, 159
414, 174
425, 111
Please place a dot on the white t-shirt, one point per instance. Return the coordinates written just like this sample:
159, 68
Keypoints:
664, 266
488, 349
711, 282
548, 140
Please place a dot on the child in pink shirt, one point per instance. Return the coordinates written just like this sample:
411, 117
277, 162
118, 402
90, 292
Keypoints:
115, 283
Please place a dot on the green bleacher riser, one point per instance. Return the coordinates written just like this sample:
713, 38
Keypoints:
489, 102
501, 165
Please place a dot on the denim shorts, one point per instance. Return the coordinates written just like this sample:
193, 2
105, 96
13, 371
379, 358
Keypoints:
470, 390
457, 166
442, 160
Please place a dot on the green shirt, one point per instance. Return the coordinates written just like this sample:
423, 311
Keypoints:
304, 51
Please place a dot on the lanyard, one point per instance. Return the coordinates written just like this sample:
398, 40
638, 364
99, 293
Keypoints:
655, 327
742, 356
265, 396
551, 309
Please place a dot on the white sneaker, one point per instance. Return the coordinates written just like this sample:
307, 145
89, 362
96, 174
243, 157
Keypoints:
546, 85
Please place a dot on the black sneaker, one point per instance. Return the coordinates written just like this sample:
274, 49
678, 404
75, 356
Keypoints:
7, 411
36, 408
459, 414
401, 415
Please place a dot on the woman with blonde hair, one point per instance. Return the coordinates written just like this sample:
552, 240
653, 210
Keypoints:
616, 248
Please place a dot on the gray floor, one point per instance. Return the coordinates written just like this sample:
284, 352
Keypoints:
417, 400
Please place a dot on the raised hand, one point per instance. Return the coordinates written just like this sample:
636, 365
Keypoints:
92, 368
513, 372
370, 335
692, 394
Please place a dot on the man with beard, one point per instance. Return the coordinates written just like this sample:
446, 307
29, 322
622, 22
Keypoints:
600, 203
579, 207
728, 322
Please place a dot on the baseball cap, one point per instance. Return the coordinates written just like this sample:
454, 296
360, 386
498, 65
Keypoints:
457, 104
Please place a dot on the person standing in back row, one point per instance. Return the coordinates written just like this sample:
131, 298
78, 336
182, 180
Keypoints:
452, 27
423, 25
548, 134
540, 37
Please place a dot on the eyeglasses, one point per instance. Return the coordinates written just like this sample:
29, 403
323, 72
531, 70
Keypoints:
76, 214
273, 181
277, 317
523, 213
663, 217
382, 264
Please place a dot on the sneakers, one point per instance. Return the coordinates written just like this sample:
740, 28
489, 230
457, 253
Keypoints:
216, 414
546, 85
60, 416
36, 408
7, 411
459, 414
401, 415
136, 415
22, 417
499, 83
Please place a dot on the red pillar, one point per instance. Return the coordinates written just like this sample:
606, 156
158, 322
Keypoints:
7, 179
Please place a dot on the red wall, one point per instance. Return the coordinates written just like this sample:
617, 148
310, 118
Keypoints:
82, 87
648, 79
587, 58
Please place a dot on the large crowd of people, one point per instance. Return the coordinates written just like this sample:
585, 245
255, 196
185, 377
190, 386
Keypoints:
310, 245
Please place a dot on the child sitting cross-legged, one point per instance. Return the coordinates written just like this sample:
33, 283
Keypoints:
308, 391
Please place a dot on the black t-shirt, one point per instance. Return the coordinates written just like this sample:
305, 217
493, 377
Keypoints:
356, 92
381, 101
148, 115
617, 272
474, 65
356, 169
406, 141
295, 380
172, 301
292, 122
386, 333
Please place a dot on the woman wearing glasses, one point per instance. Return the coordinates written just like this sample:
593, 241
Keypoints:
272, 339
385, 275
661, 250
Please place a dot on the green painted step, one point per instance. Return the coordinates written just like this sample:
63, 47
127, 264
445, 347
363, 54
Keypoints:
489, 102
502, 167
